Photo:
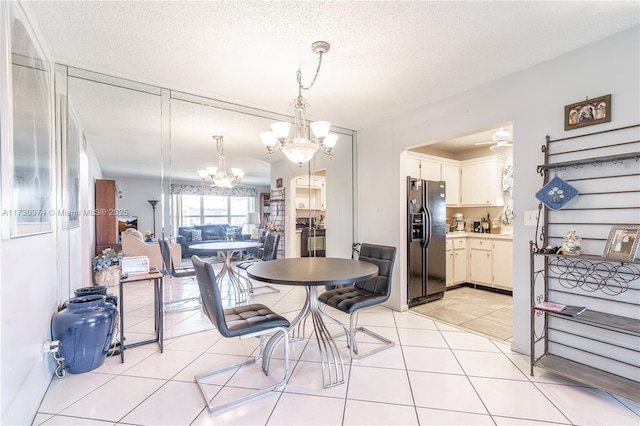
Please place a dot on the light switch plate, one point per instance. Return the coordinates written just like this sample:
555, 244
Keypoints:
530, 218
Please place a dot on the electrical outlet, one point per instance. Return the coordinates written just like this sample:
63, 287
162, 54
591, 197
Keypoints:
530, 218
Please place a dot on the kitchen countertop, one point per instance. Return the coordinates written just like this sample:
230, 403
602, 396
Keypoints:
458, 234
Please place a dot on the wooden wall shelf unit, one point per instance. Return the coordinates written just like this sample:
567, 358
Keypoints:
600, 347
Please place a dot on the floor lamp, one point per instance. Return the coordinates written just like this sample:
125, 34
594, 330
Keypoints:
153, 206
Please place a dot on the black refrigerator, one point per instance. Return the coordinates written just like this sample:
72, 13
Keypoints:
426, 240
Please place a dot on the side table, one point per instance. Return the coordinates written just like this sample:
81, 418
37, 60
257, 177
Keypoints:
158, 284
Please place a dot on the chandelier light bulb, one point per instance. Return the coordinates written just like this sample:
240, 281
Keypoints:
269, 140
281, 129
320, 129
330, 141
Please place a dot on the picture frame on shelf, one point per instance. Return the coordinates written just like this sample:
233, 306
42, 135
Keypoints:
279, 183
622, 242
587, 112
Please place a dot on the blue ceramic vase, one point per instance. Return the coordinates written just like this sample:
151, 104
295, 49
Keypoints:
96, 289
85, 329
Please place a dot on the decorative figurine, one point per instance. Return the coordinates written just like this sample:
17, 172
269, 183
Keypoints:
571, 243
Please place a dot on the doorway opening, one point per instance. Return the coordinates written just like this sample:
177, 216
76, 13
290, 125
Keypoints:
479, 230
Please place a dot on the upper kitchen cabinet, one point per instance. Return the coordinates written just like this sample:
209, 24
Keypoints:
311, 193
481, 182
437, 169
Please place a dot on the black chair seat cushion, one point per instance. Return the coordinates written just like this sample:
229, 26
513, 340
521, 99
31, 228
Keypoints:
252, 318
349, 299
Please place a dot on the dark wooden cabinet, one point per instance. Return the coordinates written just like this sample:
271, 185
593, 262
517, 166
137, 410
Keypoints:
106, 220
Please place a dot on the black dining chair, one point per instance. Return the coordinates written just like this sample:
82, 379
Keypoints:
269, 252
254, 320
362, 295
179, 272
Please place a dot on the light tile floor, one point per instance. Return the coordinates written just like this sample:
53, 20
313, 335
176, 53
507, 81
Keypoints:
477, 310
437, 374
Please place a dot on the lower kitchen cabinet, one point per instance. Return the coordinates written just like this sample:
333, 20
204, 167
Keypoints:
459, 266
480, 261
502, 264
449, 263
491, 262
456, 261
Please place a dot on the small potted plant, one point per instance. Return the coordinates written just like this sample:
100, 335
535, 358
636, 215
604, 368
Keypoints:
106, 267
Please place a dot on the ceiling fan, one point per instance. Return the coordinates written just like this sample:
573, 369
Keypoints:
501, 140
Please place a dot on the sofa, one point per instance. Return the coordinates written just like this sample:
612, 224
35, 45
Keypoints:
198, 234
133, 245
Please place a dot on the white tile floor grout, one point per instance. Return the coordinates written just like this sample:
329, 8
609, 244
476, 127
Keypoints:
436, 374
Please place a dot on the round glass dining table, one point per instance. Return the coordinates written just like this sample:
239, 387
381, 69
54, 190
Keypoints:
312, 272
240, 284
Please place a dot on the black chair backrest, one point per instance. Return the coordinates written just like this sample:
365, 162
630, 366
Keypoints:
166, 256
383, 257
210, 294
271, 247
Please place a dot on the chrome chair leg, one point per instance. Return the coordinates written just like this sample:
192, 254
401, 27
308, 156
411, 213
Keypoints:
350, 333
219, 407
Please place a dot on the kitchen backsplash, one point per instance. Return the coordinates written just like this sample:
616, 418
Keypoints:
475, 214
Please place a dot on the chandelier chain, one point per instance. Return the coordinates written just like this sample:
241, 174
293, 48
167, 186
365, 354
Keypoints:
299, 76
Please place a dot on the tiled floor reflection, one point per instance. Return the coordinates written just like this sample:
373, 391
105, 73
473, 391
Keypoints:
481, 311
437, 374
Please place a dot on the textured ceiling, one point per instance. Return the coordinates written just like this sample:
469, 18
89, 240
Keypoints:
386, 57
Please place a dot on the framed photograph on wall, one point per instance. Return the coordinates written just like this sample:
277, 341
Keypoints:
622, 242
587, 112
279, 183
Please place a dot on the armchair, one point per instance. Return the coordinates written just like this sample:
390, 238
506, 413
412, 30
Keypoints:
133, 245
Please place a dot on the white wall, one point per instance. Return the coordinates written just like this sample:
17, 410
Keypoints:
339, 220
28, 285
533, 100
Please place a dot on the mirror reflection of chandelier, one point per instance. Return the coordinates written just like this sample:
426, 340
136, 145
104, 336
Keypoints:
300, 147
219, 174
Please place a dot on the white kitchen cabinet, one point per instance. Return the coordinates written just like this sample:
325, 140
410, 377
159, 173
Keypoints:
303, 181
430, 170
481, 182
459, 260
480, 263
298, 249
437, 169
502, 264
449, 262
491, 262
450, 173
311, 197
412, 167
456, 261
